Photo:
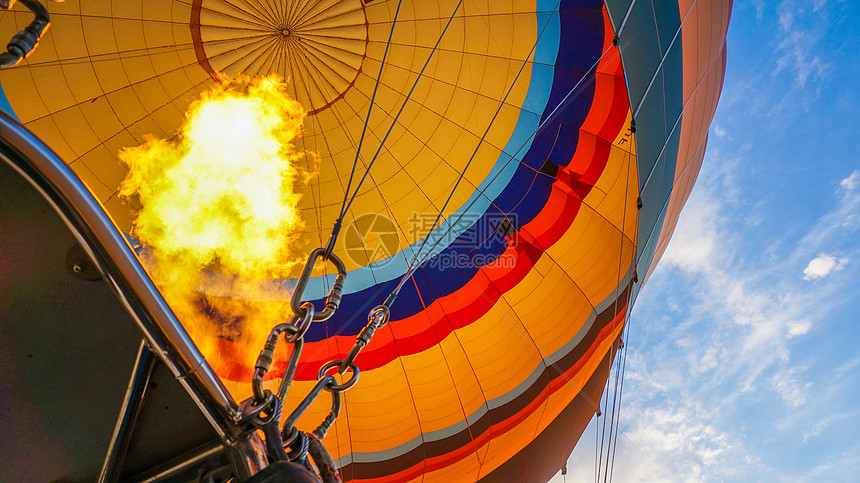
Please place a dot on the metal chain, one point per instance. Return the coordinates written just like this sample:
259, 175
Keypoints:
377, 318
263, 409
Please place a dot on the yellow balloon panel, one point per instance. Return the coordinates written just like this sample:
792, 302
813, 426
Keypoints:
108, 73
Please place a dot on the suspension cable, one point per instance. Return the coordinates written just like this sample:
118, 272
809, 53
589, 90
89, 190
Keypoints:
263, 410
402, 106
347, 204
611, 449
620, 393
366, 122
572, 94
630, 159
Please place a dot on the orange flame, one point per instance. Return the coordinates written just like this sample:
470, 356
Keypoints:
220, 197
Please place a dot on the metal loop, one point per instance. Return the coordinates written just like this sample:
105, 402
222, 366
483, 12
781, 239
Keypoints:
272, 412
23, 43
298, 446
335, 231
286, 327
307, 401
376, 318
302, 282
384, 310
288, 439
339, 387
250, 409
290, 371
324, 426
350, 358
264, 360
307, 315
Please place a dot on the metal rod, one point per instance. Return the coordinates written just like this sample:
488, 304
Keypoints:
130, 409
247, 456
209, 452
107, 247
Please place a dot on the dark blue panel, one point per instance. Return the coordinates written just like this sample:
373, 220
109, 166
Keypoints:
668, 22
651, 208
650, 131
673, 84
617, 10
668, 175
655, 197
640, 52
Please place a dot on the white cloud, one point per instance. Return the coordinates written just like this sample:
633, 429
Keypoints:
797, 43
829, 420
693, 245
731, 343
756, 315
791, 391
673, 442
822, 266
849, 210
840, 223
798, 328
831, 391
838, 466
851, 182
679, 430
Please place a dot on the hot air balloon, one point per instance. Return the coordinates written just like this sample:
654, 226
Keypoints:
512, 171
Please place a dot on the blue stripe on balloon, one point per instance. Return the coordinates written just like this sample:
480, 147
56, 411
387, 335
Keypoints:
497, 179
4, 104
524, 191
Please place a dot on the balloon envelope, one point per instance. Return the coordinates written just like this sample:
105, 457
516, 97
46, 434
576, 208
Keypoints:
573, 132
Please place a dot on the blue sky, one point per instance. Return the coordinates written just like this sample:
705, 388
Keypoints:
744, 346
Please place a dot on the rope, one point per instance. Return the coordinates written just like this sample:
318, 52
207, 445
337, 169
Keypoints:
572, 94
620, 394
631, 298
615, 314
322, 458
367, 118
400, 111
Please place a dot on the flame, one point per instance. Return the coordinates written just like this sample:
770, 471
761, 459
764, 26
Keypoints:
220, 198
224, 189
